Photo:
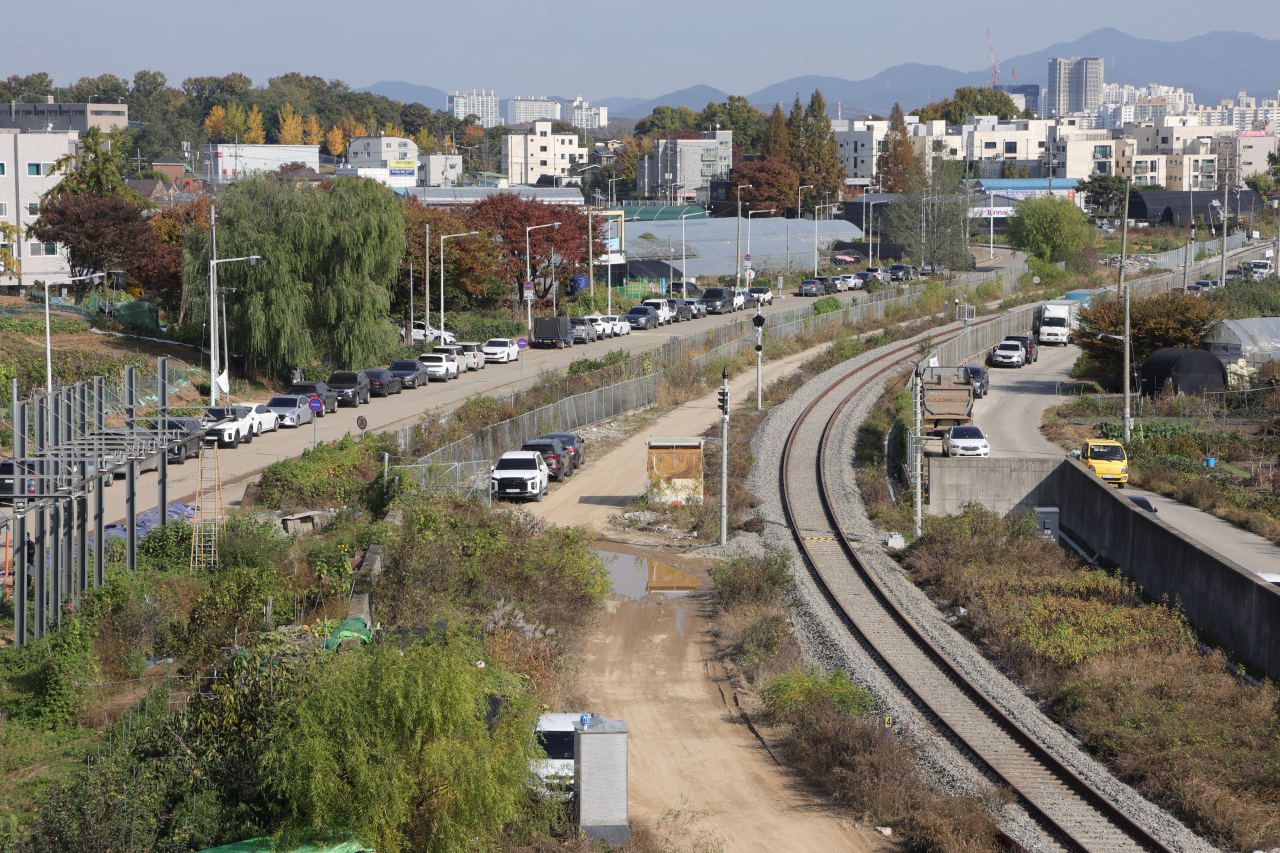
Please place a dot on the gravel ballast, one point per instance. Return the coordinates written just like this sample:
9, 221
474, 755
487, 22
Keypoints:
828, 642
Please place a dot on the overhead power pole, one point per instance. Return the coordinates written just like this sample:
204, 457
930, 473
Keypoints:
724, 456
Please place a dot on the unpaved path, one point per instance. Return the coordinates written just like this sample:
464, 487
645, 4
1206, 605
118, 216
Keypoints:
651, 664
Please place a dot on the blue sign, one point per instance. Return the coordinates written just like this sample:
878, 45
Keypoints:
316, 404
523, 343
577, 284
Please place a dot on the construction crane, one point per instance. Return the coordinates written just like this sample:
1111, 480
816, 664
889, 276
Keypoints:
1014, 72
995, 63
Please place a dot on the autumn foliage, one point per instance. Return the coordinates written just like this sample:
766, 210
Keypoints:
1163, 320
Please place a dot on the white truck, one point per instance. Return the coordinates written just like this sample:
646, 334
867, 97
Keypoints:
665, 314
1056, 321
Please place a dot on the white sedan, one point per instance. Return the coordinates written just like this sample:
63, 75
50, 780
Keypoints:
620, 325
502, 350
264, 420
966, 441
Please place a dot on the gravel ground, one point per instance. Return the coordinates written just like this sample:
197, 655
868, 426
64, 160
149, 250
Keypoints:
827, 642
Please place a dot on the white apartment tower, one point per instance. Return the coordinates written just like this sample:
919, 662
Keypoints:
588, 117
524, 110
476, 102
1075, 85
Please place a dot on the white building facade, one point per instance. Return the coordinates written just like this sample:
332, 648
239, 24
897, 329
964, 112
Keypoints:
679, 168
524, 110
390, 160
1075, 85
540, 154
26, 174
228, 161
588, 117
439, 170
482, 103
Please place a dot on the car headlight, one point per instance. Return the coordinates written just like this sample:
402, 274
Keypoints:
1124, 470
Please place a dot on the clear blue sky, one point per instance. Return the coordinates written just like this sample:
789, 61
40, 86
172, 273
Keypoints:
596, 50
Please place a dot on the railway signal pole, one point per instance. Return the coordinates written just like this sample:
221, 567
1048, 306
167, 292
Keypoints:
724, 456
917, 453
758, 320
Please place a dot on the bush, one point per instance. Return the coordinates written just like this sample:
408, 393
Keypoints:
752, 581
791, 692
826, 305
580, 366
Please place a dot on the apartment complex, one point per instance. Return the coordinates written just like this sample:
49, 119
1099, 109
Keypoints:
588, 117
1075, 85
539, 155
524, 110
679, 168
51, 116
1029, 92
26, 174
482, 103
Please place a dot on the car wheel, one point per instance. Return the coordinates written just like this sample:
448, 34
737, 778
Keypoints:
248, 439
235, 442
1119, 485
540, 495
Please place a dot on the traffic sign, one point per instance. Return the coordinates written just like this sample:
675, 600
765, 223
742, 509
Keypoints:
316, 404
523, 343
751, 275
528, 290
362, 423
747, 257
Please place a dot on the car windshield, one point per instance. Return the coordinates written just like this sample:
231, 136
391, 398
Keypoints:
610, 319
219, 413
306, 387
975, 372
578, 321
405, 365
639, 310
1010, 345
714, 293
431, 359
557, 745
376, 374
1055, 321
497, 342
1107, 452
759, 290
966, 432
283, 402
337, 380
521, 464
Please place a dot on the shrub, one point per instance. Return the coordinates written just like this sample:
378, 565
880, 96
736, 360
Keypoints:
826, 305
791, 692
752, 581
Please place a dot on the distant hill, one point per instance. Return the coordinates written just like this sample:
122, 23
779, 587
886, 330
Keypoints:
410, 93
619, 106
695, 98
912, 85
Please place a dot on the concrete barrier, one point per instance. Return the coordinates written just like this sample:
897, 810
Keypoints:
1001, 485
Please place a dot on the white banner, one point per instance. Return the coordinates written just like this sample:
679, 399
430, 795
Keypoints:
988, 212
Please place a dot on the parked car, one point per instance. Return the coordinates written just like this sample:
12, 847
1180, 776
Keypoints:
6, 480
293, 410
620, 325
665, 317
552, 332
879, 273
1234, 275
1028, 344
812, 287
642, 317
554, 454
520, 474
699, 310
227, 426
183, 435
265, 420
932, 269
686, 289
980, 378
439, 365
681, 309
411, 373
1008, 354
383, 383
321, 390
474, 354
832, 283
504, 350
352, 386
573, 446
422, 332
851, 281
719, 300
450, 355
583, 332
465, 363
965, 441
864, 277
603, 329
763, 295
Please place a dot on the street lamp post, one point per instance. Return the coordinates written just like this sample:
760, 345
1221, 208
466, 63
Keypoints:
442, 239
528, 268
215, 354
815, 234
798, 191
48, 346
683, 257
737, 270
751, 213
612, 198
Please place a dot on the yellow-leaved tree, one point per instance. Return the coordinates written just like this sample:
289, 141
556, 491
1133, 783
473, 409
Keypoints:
10, 266
253, 132
392, 129
351, 129
312, 133
215, 124
235, 124
290, 132
334, 142
425, 141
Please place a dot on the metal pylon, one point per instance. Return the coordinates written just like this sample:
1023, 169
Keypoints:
206, 524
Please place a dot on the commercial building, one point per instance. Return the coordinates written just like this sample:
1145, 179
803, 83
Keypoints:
1075, 85
524, 110
1030, 93
228, 161
26, 174
482, 103
679, 169
539, 155
588, 117
63, 117
439, 170
390, 160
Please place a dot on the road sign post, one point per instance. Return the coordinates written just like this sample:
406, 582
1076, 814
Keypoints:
523, 343
363, 424
315, 404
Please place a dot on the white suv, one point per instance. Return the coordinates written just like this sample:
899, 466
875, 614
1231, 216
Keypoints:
1009, 353
520, 474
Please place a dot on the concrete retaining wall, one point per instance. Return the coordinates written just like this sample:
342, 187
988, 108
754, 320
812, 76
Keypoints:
1001, 485
1236, 607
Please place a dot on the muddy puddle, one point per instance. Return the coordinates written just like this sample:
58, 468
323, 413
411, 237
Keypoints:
636, 577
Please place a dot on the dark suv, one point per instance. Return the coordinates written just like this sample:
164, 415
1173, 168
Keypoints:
572, 445
185, 435
317, 390
1030, 349
352, 386
554, 454
682, 309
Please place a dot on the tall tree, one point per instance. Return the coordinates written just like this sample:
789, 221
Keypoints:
312, 133
933, 221
664, 119
104, 89
335, 142
469, 279
818, 161
776, 144
30, 89
215, 124
95, 168
1051, 228
795, 132
971, 101
897, 166
1163, 320
290, 130
772, 182
10, 264
159, 270
98, 232
505, 216
253, 131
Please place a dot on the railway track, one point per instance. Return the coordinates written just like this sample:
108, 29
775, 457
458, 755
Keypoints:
1078, 813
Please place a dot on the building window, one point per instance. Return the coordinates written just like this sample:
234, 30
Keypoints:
1, 170
542, 148
33, 170
542, 133
990, 146
1011, 148
1040, 144
1102, 152
33, 208
4, 208
542, 162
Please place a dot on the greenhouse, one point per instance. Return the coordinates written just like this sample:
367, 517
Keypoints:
1254, 339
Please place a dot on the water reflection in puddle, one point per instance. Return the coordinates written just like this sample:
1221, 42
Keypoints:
635, 577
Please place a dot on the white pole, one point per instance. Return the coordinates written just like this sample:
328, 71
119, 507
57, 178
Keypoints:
991, 211
213, 306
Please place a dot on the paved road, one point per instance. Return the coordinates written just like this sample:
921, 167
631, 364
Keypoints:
1010, 416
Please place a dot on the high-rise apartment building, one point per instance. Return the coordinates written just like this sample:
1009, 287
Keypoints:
524, 110
1075, 85
1030, 93
588, 117
482, 103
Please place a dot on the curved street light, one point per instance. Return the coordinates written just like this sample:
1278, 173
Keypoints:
442, 239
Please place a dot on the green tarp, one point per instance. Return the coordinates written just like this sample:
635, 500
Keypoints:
352, 626
263, 845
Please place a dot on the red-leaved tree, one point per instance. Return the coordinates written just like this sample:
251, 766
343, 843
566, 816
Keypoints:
98, 233
505, 216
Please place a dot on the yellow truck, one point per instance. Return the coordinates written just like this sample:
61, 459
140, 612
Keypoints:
1107, 459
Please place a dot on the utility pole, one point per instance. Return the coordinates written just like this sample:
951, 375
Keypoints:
1124, 252
737, 269
917, 455
213, 305
591, 262
1226, 182
724, 456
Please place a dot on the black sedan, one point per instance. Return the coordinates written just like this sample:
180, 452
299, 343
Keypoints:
572, 445
411, 373
384, 383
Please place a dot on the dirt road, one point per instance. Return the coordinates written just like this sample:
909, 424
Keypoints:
651, 665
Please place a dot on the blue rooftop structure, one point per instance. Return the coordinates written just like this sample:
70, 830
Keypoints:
999, 184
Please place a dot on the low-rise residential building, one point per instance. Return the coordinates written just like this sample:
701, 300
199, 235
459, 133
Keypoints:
524, 110
439, 170
540, 155
588, 117
390, 160
681, 168
228, 161
26, 174
51, 115
1080, 154
482, 103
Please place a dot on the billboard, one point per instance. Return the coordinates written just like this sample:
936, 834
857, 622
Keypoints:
403, 168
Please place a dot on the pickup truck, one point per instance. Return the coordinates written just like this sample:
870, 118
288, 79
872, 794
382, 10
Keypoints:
665, 315
227, 426
552, 332
321, 390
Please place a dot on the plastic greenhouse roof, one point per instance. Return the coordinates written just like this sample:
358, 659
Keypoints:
1027, 183
1260, 332
658, 212
711, 244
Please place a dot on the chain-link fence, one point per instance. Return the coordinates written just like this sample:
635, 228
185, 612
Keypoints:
467, 480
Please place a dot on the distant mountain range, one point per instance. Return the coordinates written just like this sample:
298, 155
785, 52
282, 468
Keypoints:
1213, 66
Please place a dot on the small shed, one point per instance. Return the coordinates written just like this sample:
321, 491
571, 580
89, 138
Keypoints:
1255, 339
675, 470
600, 765
1186, 371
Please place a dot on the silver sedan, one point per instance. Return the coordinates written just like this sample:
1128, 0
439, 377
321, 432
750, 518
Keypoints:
293, 411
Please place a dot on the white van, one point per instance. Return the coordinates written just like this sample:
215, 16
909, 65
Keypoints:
555, 773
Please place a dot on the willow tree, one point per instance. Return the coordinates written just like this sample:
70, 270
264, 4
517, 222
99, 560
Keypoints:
323, 286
